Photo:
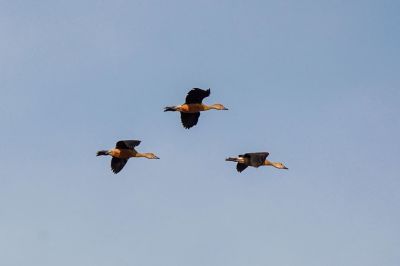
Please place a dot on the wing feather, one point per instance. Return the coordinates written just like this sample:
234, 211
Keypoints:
127, 144
196, 95
117, 164
256, 159
189, 119
240, 167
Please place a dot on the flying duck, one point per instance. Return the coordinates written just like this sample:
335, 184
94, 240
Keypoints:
254, 159
124, 149
190, 110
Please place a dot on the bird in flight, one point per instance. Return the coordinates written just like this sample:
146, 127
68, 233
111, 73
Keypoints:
190, 110
124, 149
255, 159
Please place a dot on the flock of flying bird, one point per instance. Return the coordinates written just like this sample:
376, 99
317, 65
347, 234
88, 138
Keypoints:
190, 113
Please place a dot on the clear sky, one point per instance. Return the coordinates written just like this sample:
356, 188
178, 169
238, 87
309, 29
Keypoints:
315, 83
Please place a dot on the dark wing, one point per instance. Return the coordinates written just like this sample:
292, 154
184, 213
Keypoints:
240, 167
189, 119
197, 95
127, 144
117, 164
256, 158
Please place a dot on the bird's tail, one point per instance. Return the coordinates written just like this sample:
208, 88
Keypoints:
230, 159
102, 153
170, 108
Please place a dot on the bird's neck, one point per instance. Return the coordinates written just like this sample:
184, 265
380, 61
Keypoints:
269, 163
210, 107
143, 155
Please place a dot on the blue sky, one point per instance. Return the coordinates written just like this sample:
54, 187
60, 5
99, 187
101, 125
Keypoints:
315, 83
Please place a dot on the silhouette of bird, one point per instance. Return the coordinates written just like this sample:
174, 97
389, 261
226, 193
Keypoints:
124, 149
190, 110
255, 159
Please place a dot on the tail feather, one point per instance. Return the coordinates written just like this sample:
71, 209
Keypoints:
103, 152
170, 109
230, 159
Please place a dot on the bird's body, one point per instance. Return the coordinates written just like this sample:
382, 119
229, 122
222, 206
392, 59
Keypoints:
122, 153
190, 110
124, 149
197, 107
255, 159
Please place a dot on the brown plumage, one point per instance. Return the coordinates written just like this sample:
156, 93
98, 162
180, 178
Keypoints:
254, 159
124, 149
190, 110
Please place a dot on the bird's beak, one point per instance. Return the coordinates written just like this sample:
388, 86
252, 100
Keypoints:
285, 168
225, 108
156, 157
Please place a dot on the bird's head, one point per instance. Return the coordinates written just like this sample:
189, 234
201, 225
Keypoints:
151, 156
219, 106
280, 166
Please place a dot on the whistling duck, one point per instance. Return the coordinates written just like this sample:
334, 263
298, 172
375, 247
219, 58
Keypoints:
190, 110
124, 149
255, 159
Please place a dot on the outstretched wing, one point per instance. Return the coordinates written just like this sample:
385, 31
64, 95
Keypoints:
196, 95
240, 167
127, 144
189, 119
117, 164
256, 159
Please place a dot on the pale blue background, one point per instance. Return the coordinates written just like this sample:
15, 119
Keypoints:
315, 83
